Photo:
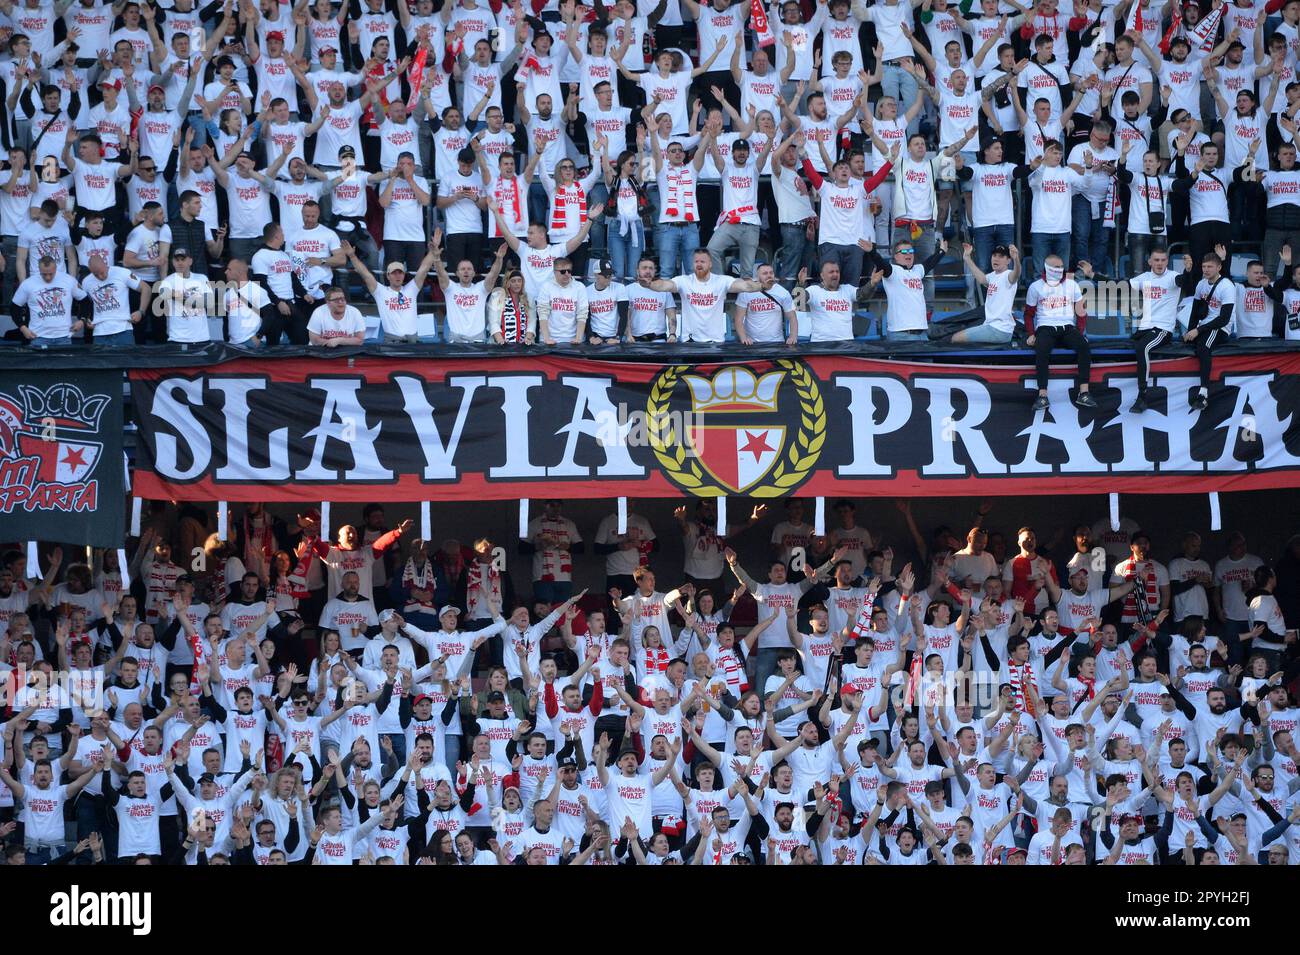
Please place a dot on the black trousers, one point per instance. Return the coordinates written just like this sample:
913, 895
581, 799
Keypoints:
463, 245
1204, 236
1069, 336
294, 324
1204, 344
1144, 343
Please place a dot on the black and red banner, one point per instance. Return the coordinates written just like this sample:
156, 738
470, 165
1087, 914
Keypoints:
61, 464
570, 427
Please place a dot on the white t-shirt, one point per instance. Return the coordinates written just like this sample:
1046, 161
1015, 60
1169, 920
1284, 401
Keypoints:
602, 309
49, 304
397, 309
404, 217
647, 310
111, 299
703, 307
325, 325
243, 307
187, 307
564, 306
765, 313
1055, 303
831, 312
466, 309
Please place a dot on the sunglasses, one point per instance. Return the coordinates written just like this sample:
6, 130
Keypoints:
906, 251
564, 271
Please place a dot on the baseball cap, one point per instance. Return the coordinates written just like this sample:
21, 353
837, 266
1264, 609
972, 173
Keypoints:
1001, 250
606, 267
157, 87
565, 761
180, 252
740, 144
1079, 570
849, 689
449, 609
420, 698
395, 267
496, 696
387, 615
347, 151
207, 778
327, 49
276, 35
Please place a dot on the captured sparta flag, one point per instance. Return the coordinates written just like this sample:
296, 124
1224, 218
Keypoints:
758, 21
61, 465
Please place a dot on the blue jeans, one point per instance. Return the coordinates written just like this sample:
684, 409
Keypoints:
451, 743
914, 335
539, 204
790, 257
51, 342
116, 340
985, 237
901, 85
1089, 237
676, 242
1041, 245
987, 335
43, 854
625, 250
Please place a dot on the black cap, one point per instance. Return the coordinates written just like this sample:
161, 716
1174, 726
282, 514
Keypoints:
606, 267
180, 252
740, 144
496, 696
207, 778
347, 151
565, 761
1001, 250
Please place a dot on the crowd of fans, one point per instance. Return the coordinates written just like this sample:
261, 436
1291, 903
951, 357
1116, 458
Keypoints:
672, 171
793, 699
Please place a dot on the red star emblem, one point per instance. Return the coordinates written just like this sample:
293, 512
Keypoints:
757, 444
75, 458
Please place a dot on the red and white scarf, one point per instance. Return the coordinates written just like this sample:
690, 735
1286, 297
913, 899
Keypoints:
565, 196
477, 574
259, 541
200, 651
1147, 588
681, 194
656, 660
1022, 678
418, 578
862, 626
506, 192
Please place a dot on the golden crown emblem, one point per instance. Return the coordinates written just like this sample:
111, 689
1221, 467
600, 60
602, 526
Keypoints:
734, 389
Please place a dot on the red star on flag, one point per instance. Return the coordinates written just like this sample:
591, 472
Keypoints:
757, 444
75, 458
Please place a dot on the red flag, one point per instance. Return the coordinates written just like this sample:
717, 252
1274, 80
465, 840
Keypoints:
758, 20
913, 680
416, 76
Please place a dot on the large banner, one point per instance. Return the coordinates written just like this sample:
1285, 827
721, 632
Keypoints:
567, 427
61, 464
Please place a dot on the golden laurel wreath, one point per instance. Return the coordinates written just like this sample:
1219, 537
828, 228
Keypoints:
790, 471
